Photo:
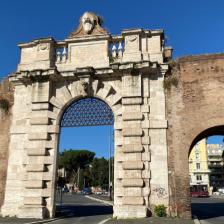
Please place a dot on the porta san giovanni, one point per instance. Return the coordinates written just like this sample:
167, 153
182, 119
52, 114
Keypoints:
127, 72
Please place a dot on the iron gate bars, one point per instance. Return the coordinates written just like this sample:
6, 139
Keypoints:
87, 112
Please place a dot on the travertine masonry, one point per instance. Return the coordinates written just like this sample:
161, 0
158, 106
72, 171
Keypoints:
126, 72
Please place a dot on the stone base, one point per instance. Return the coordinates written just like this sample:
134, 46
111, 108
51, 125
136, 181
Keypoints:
129, 211
9, 211
36, 212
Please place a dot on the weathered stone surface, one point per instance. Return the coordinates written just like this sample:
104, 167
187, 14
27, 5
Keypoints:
132, 200
127, 132
127, 116
194, 111
34, 184
52, 75
132, 101
35, 168
36, 151
33, 200
133, 165
38, 136
39, 120
132, 182
132, 148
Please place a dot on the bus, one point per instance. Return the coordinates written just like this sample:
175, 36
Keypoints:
199, 191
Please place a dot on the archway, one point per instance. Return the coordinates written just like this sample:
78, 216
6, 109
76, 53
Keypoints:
78, 167
206, 173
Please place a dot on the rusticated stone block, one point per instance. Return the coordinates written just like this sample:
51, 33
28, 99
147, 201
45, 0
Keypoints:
36, 152
132, 182
133, 201
37, 211
35, 168
130, 116
34, 184
132, 101
130, 211
128, 132
40, 92
40, 106
38, 136
132, 165
39, 120
132, 148
33, 200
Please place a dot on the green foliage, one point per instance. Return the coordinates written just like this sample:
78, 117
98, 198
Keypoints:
100, 172
111, 59
4, 105
72, 160
169, 81
160, 210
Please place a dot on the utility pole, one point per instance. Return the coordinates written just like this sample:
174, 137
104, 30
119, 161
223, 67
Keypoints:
78, 179
109, 163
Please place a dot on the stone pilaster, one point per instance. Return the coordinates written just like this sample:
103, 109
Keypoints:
40, 150
130, 201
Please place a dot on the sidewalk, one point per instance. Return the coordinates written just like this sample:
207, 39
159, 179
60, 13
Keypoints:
151, 220
17, 220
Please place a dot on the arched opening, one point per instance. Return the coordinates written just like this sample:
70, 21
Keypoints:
85, 160
206, 174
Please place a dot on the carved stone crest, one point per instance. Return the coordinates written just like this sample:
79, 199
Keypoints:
90, 24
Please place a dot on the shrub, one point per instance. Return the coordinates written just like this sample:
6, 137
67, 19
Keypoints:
4, 105
160, 210
169, 81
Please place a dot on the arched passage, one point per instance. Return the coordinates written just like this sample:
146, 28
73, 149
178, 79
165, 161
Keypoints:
194, 111
206, 173
85, 112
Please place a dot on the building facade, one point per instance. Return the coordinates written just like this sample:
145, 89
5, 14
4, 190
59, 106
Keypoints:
216, 165
198, 165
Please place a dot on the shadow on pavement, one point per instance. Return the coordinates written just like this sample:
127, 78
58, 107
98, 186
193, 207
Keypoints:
208, 210
84, 210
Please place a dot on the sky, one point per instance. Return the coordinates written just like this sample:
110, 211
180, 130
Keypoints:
191, 26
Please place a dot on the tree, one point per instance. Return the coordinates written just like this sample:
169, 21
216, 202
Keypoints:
100, 173
73, 160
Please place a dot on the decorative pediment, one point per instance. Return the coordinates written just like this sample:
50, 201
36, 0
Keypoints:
89, 24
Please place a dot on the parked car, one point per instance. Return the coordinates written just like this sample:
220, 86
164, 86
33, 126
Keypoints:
221, 190
86, 191
199, 191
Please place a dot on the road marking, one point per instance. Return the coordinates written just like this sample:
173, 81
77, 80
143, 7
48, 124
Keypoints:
196, 220
104, 221
108, 203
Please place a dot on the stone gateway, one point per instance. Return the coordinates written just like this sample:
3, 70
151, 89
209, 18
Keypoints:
127, 73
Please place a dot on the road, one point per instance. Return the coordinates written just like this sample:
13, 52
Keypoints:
209, 210
80, 210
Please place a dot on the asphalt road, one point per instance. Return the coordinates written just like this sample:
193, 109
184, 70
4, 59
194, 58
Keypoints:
209, 210
80, 210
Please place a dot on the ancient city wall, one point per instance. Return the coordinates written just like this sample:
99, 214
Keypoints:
6, 101
194, 107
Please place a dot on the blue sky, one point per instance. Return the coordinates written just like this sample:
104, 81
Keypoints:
191, 26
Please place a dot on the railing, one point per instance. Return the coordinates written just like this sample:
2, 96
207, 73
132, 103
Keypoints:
116, 49
61, 53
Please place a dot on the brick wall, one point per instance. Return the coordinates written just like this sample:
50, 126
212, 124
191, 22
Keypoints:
6, 92
195, 109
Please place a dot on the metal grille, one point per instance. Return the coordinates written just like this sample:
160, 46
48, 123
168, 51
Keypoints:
87, 112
